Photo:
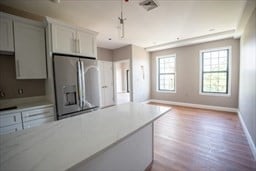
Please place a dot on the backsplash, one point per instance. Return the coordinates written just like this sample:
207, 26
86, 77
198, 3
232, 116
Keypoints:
10, 87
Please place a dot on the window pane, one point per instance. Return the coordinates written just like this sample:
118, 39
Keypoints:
216, 61
215, 82
167, 82
166, 73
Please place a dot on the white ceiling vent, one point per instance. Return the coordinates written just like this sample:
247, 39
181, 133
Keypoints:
149, 4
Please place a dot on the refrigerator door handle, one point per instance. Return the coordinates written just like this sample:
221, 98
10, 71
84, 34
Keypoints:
80, 89
83, 83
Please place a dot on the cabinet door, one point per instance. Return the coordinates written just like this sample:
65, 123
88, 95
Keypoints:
10, 119
37, 114
37, 122
86, 44
10, 129
6, 34
63, 39
29, 51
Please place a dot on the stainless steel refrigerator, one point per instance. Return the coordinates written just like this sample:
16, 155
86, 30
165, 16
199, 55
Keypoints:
76, 85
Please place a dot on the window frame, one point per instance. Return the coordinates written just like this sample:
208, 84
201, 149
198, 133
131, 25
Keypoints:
158, 74
229, 71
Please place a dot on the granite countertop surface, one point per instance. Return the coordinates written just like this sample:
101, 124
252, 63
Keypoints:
62, 144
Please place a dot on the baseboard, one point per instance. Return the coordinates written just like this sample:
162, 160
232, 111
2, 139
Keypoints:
248, 136
218, 108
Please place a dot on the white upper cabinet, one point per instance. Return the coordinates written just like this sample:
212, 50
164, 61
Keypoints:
86, 44
30, 52
6, 33
66, 39
63, 39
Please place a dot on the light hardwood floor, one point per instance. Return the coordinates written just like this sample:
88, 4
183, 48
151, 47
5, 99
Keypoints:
189, 139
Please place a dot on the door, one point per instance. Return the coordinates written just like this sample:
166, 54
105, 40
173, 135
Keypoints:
63, 39
30, 53
66, 70
86, 44
90, 79
106, 83
6, 34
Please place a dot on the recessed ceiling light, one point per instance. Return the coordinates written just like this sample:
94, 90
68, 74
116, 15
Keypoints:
211, 29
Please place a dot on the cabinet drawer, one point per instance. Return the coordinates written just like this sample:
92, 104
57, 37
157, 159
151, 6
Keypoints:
10, 129
37, 122
37, 114
10, 119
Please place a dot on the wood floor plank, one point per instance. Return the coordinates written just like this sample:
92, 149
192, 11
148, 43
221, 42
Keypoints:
190, 139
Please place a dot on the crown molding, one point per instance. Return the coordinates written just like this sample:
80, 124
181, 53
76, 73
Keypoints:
195, 40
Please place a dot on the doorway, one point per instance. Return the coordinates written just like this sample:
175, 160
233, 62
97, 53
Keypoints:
122, 81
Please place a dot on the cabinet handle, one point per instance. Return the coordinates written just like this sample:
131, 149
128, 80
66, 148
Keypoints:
14, 118
18, 67
16, 129
37, 114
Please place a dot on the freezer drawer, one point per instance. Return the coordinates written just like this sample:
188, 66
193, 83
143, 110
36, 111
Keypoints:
10, 119
37, 114
10, 129
37, 122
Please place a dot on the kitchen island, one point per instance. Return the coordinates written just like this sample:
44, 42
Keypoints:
114, 138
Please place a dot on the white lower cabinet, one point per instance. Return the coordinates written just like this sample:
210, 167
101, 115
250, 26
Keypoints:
15, 121
37, 122
33, 118
10, 129
10, 123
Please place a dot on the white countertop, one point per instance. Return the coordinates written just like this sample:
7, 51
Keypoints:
24, 104
62, 144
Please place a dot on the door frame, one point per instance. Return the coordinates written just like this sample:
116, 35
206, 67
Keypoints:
115, 83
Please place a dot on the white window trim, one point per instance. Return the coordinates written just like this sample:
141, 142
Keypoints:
229, 71
157, 73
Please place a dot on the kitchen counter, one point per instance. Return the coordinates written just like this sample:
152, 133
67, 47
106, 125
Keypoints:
63, 144
23, 104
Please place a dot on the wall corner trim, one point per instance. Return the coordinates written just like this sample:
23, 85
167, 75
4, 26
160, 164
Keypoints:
247, 134
217, 108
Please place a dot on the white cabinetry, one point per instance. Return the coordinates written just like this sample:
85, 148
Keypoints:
106, 83
25, 118
32, 118
29, 50
86, 43
63, 39
10, 123
6, 33
71, 40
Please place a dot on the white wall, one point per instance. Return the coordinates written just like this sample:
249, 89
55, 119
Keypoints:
140, 74
247, 86
187, 75
119, 79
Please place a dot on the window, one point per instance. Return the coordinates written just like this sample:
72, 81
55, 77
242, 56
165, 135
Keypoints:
166, 73
215, 68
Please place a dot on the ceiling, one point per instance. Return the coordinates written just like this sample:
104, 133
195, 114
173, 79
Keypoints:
182, 19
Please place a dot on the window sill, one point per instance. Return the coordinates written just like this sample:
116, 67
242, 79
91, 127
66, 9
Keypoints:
215, 94
160, 91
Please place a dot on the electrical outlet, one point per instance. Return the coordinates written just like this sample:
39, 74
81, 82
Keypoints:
2, 94
20, 91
